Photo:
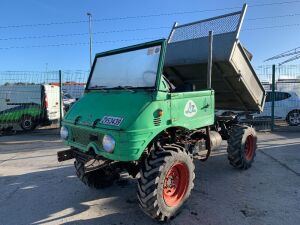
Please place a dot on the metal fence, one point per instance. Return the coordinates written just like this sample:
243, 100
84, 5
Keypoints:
286, 107
29, 98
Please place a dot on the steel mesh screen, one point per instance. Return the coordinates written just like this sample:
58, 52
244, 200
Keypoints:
219, 25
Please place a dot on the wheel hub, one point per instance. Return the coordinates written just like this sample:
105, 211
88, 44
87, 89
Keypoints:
27, 123
249, 147
175, 184
295, 118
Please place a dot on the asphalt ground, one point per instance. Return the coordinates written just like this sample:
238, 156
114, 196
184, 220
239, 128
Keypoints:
36, 189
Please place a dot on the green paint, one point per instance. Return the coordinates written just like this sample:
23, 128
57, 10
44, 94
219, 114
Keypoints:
15, 115
139, 110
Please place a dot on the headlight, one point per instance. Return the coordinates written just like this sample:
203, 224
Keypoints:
64, 133
108, 143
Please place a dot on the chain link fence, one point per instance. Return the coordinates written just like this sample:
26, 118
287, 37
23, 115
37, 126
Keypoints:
31, 99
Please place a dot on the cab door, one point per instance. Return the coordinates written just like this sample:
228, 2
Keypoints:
192, 109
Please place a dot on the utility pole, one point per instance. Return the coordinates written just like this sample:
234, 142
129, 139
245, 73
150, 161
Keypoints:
90, 31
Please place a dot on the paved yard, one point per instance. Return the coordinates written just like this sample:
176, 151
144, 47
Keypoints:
36, 189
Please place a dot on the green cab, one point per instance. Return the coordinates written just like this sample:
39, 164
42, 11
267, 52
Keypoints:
128, 102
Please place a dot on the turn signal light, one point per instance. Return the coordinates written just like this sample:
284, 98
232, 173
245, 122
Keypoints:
160, 113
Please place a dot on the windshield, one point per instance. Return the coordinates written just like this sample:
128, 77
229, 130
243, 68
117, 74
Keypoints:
133, 69
66, 95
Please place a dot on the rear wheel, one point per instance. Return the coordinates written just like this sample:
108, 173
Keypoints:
242, 146
293, 118
99, 178
27, 123
165, 183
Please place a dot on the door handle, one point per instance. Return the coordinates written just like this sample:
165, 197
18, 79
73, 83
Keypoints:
205, 107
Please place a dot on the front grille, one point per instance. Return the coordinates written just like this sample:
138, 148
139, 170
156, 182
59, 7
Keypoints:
157, 121
83, 137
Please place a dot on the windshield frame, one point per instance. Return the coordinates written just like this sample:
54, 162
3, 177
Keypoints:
161, 42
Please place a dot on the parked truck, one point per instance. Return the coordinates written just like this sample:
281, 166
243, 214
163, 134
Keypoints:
149, 109
28, 105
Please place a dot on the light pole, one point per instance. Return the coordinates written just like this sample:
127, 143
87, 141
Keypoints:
90, 31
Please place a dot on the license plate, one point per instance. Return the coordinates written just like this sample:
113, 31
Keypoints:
111, 120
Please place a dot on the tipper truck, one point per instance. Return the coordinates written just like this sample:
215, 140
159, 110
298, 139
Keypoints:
149, 109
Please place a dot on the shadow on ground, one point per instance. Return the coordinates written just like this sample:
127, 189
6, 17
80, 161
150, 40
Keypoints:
57, 195
268, 193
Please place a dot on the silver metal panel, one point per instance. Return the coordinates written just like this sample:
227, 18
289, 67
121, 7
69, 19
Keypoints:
196, 50
247, 74
234, 80
236, 85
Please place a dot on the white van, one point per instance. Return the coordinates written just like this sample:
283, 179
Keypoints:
29, 105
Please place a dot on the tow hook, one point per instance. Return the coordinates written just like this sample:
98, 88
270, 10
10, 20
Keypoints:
65, 155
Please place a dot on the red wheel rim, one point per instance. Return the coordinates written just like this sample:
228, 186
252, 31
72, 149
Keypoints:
176, 184
249, 147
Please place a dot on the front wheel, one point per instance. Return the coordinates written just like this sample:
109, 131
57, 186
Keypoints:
242, 145
293, 118
99, 178
166, 180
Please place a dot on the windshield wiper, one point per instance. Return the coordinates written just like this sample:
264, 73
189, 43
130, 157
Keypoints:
125, 88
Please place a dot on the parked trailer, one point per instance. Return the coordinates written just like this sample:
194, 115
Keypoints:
28, 105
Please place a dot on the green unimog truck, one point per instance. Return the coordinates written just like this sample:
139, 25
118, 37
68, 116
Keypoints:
148, 109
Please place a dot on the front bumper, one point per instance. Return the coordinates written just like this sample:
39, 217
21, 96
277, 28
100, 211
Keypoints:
129, 145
